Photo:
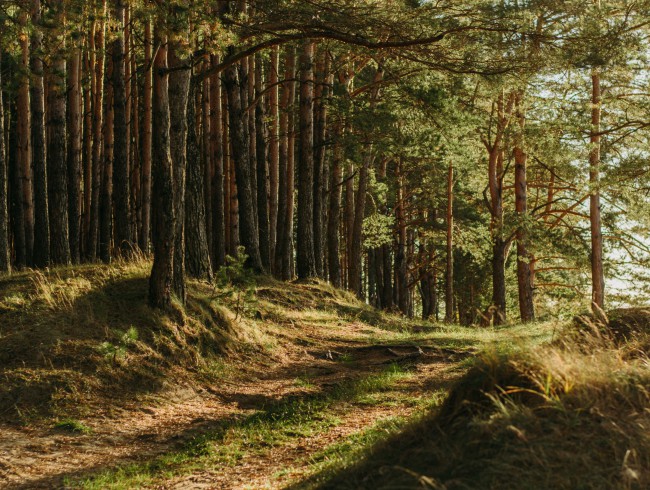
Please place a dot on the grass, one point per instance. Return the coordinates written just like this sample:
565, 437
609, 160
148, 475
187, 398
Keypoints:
571, 414
228, 441
71, 425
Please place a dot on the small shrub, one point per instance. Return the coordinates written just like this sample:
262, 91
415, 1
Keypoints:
235, 279
119, 350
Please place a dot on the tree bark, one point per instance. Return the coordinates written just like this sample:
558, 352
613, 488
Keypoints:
306, 262
449, 275
37, 102
106, 186
261, 148
274, 150
120, 177
240, 149
5, 255
160, 282
197, 253
178, 89
145, 206
321, 93
74, 155
16, 194
597, 272
524, 275
57, 171
334, 213
218, 204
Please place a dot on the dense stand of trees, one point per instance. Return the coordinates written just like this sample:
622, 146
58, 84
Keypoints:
346, 141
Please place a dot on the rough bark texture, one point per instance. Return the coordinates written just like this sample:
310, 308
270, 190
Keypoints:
449, 273
106, 186
57, 180
597, 272
160, 282
74, 155
306, 262
37, 102
240, 149
321, 93
283, 255
5, 261
218, 205
16, 196
179, 86
24, 147
121, 185
98, 121
334, 213
197, 253
145, 232
261, 148
274, 149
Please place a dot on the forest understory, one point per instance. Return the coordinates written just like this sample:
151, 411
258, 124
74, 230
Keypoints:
314, 390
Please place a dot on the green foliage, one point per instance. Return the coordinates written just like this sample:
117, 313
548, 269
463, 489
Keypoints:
118, 350
235, 279
71, 425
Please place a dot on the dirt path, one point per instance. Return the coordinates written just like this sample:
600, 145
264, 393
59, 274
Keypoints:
42, 458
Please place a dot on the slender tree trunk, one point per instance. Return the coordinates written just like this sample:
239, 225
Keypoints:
206, 154
160, 282
88, 139
240, 149
247, 70
106, 186
57, 181
285, 184
449, 276
261, 148
16, 193
145, 234
306, 262
274, 149
98, 122
321, 93
356, 241
37, 101
597, 272
334, 214
5, 255
23, 130
524, 262
74, 154
178, 88
217, 148
120, 176
197, 253
401, 267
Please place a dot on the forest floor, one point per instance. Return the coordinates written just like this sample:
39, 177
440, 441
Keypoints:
311, 382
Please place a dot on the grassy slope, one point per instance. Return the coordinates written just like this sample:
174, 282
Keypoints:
54, 329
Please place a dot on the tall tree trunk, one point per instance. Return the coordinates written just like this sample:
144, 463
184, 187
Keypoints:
274, 149
320, 131
597, 272
217, 148
106, 186
57, 179
449, 276
401, 267
178, 87
261, 148
160, 282
74, 154
356, 241
206, 154
334, 214
37, 101
306, 262
16, 192
88, 89
98, 122
283, 253
23, 130
145, 233
197, 252
240, 149
524, 262
5, 256
121, 185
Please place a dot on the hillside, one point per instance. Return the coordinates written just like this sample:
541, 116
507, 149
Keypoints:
101, 391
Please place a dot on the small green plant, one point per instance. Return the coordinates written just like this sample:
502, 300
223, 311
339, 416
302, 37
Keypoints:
71, 425
119, 350
235, 279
